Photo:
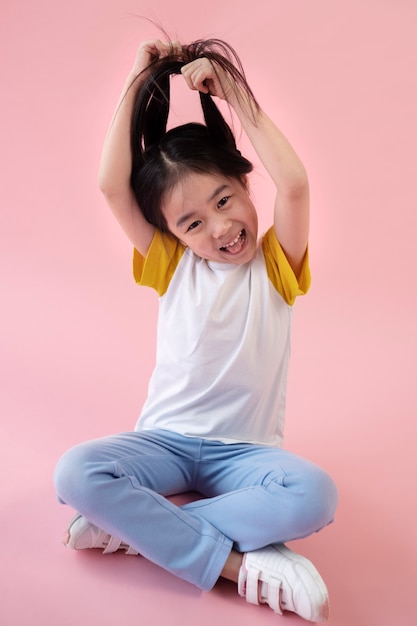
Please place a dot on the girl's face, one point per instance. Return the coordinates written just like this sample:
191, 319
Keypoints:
214, 216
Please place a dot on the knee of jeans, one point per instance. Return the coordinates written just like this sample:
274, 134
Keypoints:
73, 475
319, 499
310, 503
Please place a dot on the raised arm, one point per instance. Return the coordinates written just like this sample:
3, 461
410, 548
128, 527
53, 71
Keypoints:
291, 211
116, 162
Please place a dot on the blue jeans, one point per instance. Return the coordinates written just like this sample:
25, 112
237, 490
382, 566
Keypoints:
253, 496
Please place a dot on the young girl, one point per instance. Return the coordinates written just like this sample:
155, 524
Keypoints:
213, 419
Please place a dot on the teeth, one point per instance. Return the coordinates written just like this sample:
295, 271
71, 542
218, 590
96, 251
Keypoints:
235, 240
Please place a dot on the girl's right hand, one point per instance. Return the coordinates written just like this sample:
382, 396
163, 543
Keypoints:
202, 75
152, 50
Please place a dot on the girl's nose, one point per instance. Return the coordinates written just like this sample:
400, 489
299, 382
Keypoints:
221, 225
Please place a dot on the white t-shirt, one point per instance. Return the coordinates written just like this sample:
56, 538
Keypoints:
223, 341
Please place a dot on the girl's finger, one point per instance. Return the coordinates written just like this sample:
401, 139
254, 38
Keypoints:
170, 47
197, 73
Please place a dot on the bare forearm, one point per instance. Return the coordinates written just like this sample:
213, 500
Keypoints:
274, 150
116, 163
291, 209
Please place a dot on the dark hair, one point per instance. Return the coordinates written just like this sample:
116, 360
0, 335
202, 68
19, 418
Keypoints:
161, 158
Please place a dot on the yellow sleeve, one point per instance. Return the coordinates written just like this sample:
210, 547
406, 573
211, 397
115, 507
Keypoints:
280, 272
158, 267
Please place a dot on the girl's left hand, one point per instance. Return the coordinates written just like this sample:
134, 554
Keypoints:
207, 77
154, 49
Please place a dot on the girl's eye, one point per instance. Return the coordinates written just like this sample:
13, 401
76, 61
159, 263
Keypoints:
222, 202
194, 225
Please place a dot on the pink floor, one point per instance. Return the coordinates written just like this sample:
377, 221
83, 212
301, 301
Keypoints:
77, 336
368, 557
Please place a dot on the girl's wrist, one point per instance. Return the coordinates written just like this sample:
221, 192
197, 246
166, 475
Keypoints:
135, 79
135, 72
242, 103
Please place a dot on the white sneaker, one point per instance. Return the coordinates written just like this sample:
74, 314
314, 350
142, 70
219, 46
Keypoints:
81, 534
285, 581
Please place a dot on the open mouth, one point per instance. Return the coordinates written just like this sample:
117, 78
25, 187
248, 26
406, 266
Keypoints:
235, 246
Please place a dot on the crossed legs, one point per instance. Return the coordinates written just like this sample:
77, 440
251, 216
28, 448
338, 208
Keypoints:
253, 496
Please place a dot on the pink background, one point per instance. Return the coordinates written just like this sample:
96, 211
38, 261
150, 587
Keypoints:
77, 336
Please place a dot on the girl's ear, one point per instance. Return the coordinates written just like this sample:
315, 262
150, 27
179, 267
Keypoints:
245, 182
